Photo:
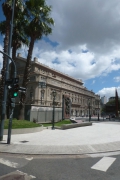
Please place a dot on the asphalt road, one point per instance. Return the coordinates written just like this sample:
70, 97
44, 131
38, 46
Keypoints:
59, 167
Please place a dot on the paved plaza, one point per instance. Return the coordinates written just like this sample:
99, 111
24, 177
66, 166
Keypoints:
100, 137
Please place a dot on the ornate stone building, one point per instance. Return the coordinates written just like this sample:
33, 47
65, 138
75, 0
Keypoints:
62, 84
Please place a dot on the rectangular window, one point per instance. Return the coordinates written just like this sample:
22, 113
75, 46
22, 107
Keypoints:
32, 78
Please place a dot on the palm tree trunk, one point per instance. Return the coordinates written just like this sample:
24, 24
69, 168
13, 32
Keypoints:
26, 79
14, 49
6, 43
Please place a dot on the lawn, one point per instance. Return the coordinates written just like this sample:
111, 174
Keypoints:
66, 121
19, 124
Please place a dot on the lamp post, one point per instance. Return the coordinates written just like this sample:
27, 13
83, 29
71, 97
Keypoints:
54, 95
89, 109
42, 85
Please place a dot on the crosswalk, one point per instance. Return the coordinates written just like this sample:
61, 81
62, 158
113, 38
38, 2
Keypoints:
103, 164
8, 163
16, 173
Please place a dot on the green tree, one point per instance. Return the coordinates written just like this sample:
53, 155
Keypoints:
40, 24
18, 36
7, 12
5, 29
110, 104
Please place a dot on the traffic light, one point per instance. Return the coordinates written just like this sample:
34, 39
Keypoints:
13, 86
12, 102
15, 90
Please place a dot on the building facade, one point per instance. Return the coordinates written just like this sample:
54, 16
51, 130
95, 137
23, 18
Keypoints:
63, 84
104, 100
112, 98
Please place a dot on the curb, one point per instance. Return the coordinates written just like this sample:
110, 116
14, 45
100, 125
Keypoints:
24, 130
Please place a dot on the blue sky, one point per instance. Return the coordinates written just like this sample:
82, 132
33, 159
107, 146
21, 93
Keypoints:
85, 43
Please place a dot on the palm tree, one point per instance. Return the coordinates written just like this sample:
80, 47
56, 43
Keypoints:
19, 37
40, 22
5, 29
7, 12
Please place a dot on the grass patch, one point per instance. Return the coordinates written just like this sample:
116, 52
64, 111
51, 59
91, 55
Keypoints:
66, 121
19, 124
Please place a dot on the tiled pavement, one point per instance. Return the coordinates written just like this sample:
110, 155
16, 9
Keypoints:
100, 137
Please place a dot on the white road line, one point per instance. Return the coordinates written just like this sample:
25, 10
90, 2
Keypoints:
33, 177
29, 158
8, 163
103, 164
22, 173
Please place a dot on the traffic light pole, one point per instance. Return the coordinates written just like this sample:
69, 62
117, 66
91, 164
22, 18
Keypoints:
5, 98
7, 76
10, 126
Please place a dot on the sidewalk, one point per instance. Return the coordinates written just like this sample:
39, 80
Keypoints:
100, 137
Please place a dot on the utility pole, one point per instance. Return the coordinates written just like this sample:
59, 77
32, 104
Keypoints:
3, 110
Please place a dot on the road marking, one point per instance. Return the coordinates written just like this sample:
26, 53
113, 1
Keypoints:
29, 158
33, 177
26, 174
103, 164
8, 163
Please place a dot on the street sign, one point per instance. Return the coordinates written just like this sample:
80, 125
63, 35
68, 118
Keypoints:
22, 89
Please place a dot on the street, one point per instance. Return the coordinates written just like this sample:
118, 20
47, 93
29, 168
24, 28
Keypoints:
60, 167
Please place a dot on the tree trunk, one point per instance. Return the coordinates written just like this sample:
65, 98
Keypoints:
6, 43
22, 106
14, 49
26, 79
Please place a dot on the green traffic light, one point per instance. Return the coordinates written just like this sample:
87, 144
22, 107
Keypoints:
15, 94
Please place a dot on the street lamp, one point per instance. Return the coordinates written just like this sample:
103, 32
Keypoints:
42, 94
42, 85
89, 109
54, 95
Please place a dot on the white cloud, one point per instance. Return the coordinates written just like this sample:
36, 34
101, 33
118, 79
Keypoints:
82, 25
78, 64
109, 92
117, 79
94, 23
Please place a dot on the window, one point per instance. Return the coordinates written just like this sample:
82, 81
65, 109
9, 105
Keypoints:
58, 97
42, 94
32, 78
48, 92
53, 75
51, 96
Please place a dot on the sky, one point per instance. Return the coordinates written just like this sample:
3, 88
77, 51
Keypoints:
85, 43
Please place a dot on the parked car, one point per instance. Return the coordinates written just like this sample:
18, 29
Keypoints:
113, 116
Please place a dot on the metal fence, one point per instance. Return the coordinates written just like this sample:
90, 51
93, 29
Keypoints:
45, 114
